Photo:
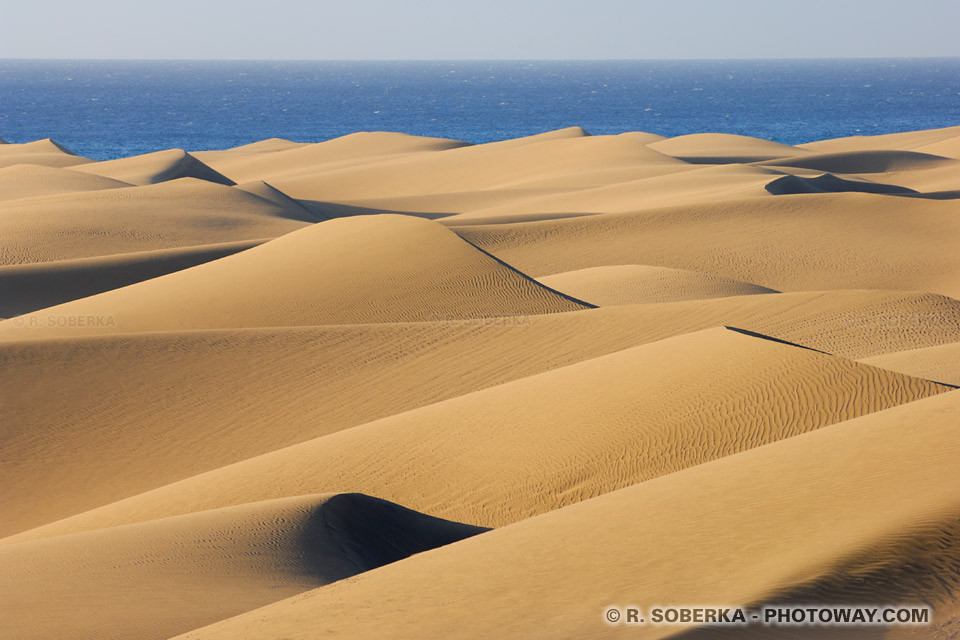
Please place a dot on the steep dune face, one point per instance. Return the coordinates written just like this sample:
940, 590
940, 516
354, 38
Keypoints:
160, 166
635, 284
297, 210
180, 213
651, 410
859, 509
170, 575
330, 273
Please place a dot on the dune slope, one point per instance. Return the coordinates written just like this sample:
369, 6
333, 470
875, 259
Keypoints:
160, 166
595, 427
180, 213
351, 270
219, 397
170, 575
31, 180
829, 518
634, 284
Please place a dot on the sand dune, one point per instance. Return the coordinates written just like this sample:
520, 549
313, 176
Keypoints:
829, 183
907, 141
689, 370
296, 210
271, 159
152, 168
175, 574
45, 152
865, 510
940, 363
181, 213
949, 147
721, 148
633, 284
330, 273
566, 162
31, 181
864, 161
197, 389
651, 410
697, 184
787, 243
29, 287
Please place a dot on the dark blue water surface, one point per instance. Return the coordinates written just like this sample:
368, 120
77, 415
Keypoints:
106, 109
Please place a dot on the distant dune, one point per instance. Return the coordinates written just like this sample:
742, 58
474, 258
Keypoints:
155, 167
632, 284
45, 152
701, 370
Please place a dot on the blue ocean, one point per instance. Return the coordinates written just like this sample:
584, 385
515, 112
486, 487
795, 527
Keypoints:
108, 109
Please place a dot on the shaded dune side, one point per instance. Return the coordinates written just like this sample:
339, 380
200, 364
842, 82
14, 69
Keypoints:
151, 168
298, 211
31, 181
863, 161
651, 410
228, 395
30, 287
829, 183
180, 213
634, 284
159, 578
859, 511
349, 270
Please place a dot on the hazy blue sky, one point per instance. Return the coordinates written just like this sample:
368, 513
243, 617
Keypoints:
489, 29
